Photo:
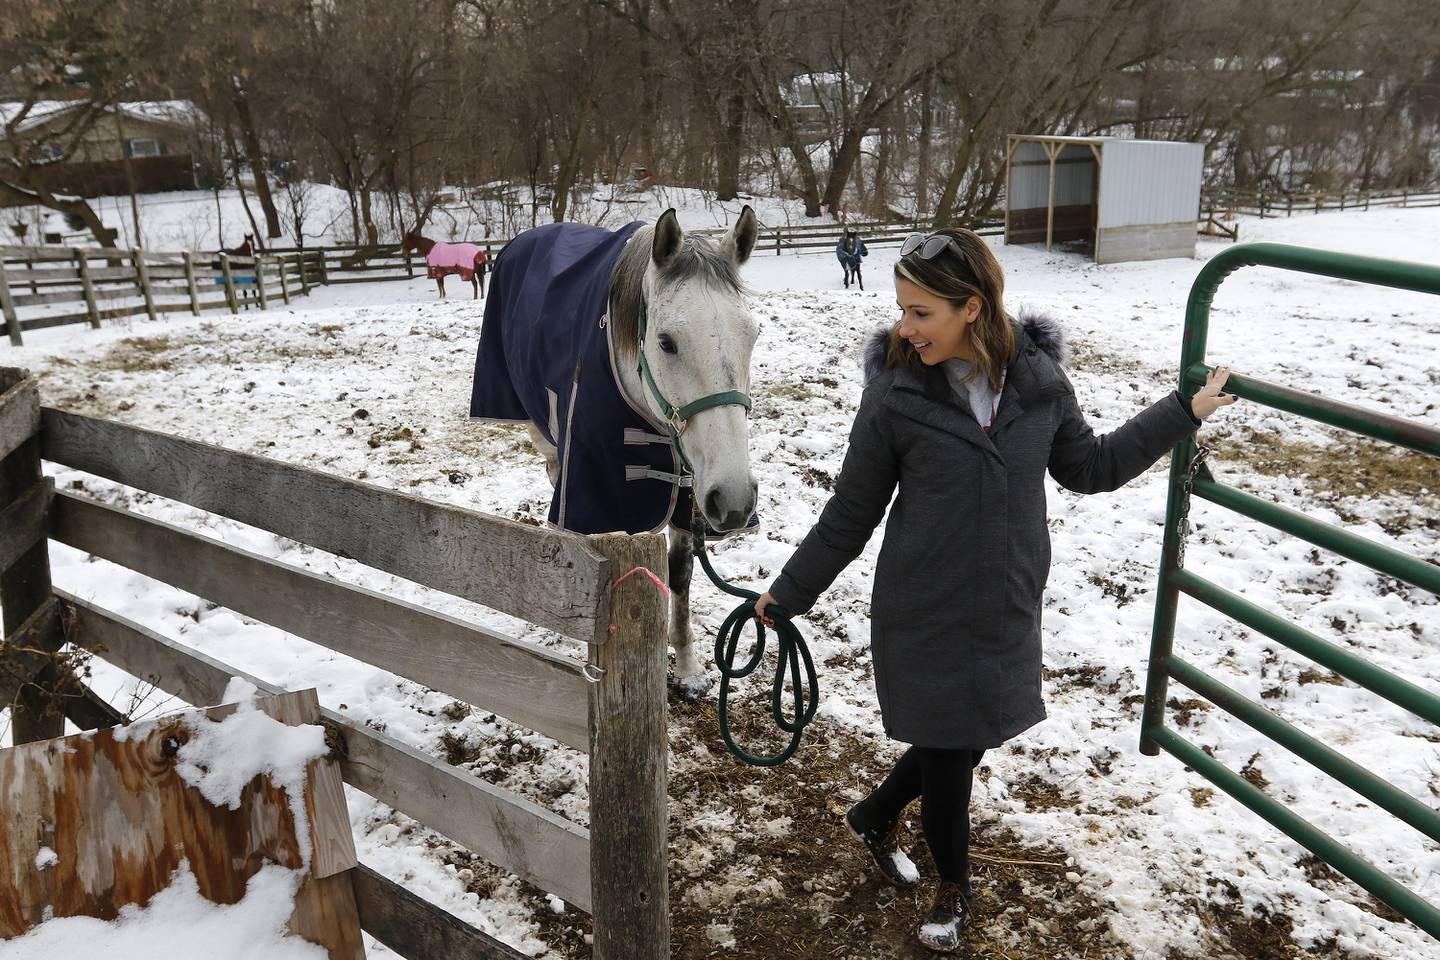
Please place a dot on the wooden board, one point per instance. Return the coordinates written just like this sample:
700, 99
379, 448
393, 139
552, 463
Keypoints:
23, 522
19, 409
120, 820
629, 847
548, 577
533, 843
527, 684
417, 929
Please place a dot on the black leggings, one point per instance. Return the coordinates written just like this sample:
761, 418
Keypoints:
942, 780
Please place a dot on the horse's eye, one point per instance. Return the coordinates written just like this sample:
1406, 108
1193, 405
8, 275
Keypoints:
667, 344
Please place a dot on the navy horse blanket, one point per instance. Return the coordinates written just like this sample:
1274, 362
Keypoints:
546, 358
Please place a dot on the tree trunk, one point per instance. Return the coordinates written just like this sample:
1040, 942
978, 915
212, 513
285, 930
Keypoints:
922, 173
257, 164
240, 185
372, 232
882, 171
569, 164
943, 206
129, 179
23, 195
727, 155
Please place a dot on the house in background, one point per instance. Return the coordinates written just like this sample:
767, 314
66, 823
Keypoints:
155, 139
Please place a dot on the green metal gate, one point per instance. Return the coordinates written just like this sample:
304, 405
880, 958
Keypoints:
1190, 477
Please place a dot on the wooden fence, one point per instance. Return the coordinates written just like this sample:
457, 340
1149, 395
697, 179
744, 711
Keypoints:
1225, 204
104, 283
612, 705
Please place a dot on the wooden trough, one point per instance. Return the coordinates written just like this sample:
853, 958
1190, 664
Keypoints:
615, 870
62, 857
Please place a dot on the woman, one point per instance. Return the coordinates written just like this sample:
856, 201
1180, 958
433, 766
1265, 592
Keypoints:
964, 409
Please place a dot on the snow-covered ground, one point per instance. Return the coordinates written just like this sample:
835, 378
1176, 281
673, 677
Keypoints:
1137, 857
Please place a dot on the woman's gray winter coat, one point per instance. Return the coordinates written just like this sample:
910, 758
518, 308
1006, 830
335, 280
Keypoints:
955, 616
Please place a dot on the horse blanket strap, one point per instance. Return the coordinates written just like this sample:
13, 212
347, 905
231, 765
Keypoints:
645, 473
641, 436
545, 357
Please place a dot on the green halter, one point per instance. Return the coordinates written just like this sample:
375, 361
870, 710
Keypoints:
677, 419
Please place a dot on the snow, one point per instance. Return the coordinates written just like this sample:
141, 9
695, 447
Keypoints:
332, 381
220, 758
179, 922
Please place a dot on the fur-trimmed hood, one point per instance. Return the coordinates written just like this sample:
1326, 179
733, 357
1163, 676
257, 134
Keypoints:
1039, 330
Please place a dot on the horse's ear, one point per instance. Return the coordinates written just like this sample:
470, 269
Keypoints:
667, 239
740, 242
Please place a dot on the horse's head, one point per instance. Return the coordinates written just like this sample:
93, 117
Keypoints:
411, 241
698, 336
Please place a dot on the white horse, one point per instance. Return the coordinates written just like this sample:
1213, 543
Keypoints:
699, 336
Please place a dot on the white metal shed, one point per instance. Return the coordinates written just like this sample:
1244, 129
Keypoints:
1122, 199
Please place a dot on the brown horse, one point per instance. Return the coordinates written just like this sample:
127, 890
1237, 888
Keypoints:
242, 278
442, 259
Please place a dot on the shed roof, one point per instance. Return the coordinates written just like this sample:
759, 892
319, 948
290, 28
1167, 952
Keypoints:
1053, 138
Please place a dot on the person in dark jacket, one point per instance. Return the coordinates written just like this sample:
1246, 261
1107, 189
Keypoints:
848, 250
964, 409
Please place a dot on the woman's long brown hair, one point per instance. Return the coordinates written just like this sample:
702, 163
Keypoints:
977, 275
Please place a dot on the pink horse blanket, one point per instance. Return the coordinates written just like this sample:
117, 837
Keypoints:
447, 258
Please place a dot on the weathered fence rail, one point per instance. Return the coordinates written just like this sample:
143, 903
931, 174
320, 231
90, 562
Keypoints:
106, 283
1225, 204
611, 704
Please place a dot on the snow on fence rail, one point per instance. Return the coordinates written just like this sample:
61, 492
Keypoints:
80, 284
616, 870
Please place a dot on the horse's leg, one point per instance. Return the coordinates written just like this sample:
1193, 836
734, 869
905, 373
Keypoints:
548, 451
440, 282
690, 675
474, 287
859, 279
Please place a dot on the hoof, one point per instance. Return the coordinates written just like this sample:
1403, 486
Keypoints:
694, 688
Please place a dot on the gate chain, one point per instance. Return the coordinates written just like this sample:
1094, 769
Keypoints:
1192, 470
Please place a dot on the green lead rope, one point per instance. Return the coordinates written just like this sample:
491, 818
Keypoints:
791, 651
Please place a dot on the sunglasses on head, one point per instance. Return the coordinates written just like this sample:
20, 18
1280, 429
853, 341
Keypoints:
931, 245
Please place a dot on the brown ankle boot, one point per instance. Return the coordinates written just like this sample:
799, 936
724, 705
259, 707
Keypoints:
884, 846
940, 929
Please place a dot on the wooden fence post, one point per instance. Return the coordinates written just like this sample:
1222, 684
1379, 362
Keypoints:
142, 277
284, 283
30, 269
82, 263
304, 272
1404, 198
324, 270
7, 308
777, 241
190, 283
229, 283
260, 281
25, 560
630, 907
